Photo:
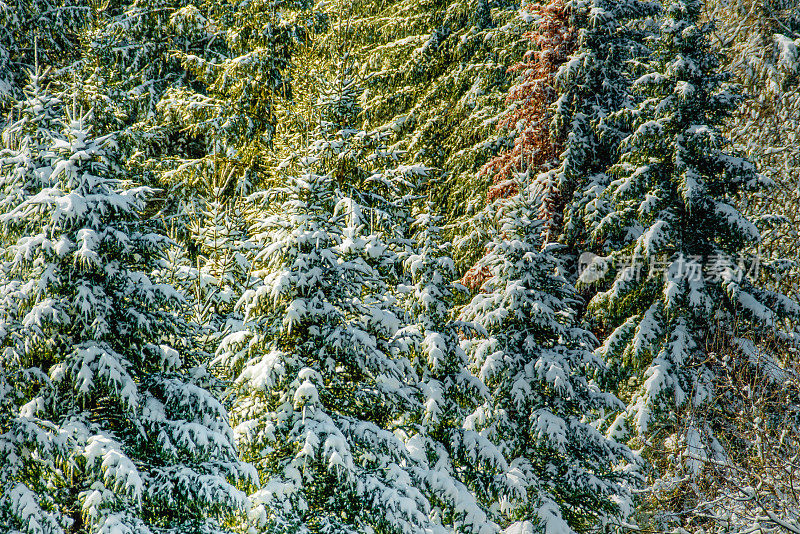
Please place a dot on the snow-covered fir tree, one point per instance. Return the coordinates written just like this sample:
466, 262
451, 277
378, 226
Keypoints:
537, 361
367, 170
223, 267
461, 469
592, 85
214, 274
682, 288
323, 393
104, 428
27, 141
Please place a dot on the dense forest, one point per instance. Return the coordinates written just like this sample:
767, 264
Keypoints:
399, 266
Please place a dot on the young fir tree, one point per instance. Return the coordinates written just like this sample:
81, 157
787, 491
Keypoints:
462, 469
322, 392
222, 266
536, 360
680, 288
103, 428
27, 140
216, 273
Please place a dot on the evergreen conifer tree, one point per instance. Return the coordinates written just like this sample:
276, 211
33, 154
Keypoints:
104, 428
760, 44
536, 360
591, 86
222, 265
682, 288
232, 106
27, 141
461, 468
323, 392
215, 274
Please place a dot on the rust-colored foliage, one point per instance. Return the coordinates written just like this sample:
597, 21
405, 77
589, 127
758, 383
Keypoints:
536, 147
